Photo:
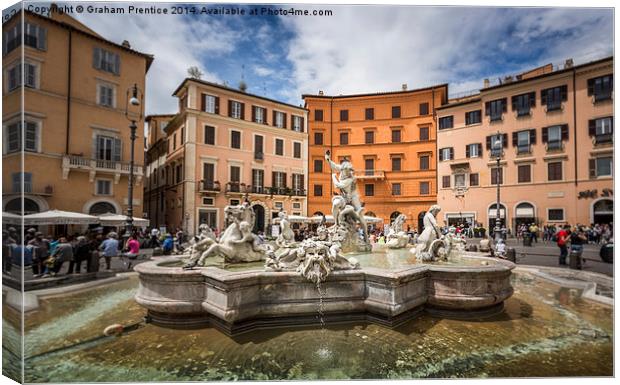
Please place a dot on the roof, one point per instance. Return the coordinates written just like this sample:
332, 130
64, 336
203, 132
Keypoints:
533, 78
459, 103
86, 31
149, 117
376, 93
223, 87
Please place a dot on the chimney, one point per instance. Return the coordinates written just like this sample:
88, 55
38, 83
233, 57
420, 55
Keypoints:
404, 86
568, 63
486, 83
321, 92
126, 44
507, 79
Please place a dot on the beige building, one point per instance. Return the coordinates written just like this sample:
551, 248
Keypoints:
556, 135
74, 137
225, 144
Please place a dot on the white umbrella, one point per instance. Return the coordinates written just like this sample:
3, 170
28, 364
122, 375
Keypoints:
330, 219
120, 220
295, 219
11, 219
59, 217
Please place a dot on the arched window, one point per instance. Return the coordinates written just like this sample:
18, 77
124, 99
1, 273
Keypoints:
15, 206
603, 211
371, 214
394, 215
102, 208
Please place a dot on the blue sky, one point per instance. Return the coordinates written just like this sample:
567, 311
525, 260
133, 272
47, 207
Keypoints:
358, 48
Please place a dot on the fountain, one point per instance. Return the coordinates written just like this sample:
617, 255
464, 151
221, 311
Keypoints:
388, 286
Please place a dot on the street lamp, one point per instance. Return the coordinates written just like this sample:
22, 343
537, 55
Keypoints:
135, 100
497, 152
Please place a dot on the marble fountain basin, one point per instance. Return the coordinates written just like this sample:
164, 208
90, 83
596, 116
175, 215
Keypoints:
236, 301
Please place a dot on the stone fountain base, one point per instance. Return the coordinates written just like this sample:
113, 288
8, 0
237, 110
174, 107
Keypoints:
236, 302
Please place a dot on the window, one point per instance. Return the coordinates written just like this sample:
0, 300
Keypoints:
604, 166
554, 171
446, 122
104, 187
210, 135
318, 165
279, 179
235, 139
344, 138
601, 87
205, 201
496, 143
369, 137
209, 103
344, 115
12, 38
35, 37
174, 141
279, 119
553, 97
14, 137
235, 174
208, 174
473, 150
446, 154
15, 76
369, 189
524, 173
106, 95
395, 113
298, 182
318, 190
236, 109
370, 113
297, 150
298, 123
279, 147
522, 140
521, 104
474, 179
17, 182
106, 61
423, 108
318, 138
395, 136
425, 162
369, 166
259, 114
396, 164
179, 173
258, 180
425, 188
424, 133
495, 109
602, 129
554, 135
445, 181
396, 189
108, 148
459, 180
497, 175
318, 115
473, 117
182, 135
555, 214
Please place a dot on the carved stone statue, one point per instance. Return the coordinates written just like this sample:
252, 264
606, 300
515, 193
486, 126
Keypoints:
236, 244
397, 238
430, 244
347, 209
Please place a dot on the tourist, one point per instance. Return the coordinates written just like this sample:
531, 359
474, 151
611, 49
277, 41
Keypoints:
154, 237
534, 232
133, 249
63, 252
40, 252
82, 252
168, 245
577, 239
7, 252
562, 238
500, 249
110, 249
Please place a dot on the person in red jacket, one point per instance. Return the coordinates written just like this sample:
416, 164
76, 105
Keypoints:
562, 239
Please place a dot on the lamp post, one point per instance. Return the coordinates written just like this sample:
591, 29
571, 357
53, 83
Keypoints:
134, 100
497, 146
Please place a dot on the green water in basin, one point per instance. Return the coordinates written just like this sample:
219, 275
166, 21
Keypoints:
544, 331
385, 259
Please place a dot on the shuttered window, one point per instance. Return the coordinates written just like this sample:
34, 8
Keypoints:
424, 133
297, 123
369, 137
344, 138
445, 181
473, 150
298, 183
554, 135
236, 109
553, 97
106, 95
318, 165
318, 138
396, 136
369, 189
104, 187
474, 179
473, 117
15, 76
554, 171
396, 111
107, 61
35, 36
524, 173
423, 108
297, 150
601, 87
318, 115
425, 162
210, 135
521, 104
446, 153
497, 175
108, 148
235, 139
370, 113
396, 189
18, 178
396, 164
279, 148
344, 115
425, 188
446, 122
14, 137
495, 108
318, 190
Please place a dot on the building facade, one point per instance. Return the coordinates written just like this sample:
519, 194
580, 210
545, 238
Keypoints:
156, 147
553, 131
391, 140
75, 138
225, 145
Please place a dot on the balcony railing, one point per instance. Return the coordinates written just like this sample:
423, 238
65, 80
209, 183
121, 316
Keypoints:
233, 187
210, 186
32, 190
372, 174
259, 156
94, 166
603, 138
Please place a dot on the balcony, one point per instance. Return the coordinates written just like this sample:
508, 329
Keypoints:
29, 189
371, 174
99, 166
235, 187
603, 138
259, 156
555, 145
602, 96
207, 186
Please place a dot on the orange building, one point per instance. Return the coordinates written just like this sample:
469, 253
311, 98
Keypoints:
74, 136
391, 140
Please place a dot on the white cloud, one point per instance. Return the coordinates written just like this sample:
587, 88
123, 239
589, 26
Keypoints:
262, 71
370, 49
177, 43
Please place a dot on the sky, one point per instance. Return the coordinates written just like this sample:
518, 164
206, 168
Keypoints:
357, 49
